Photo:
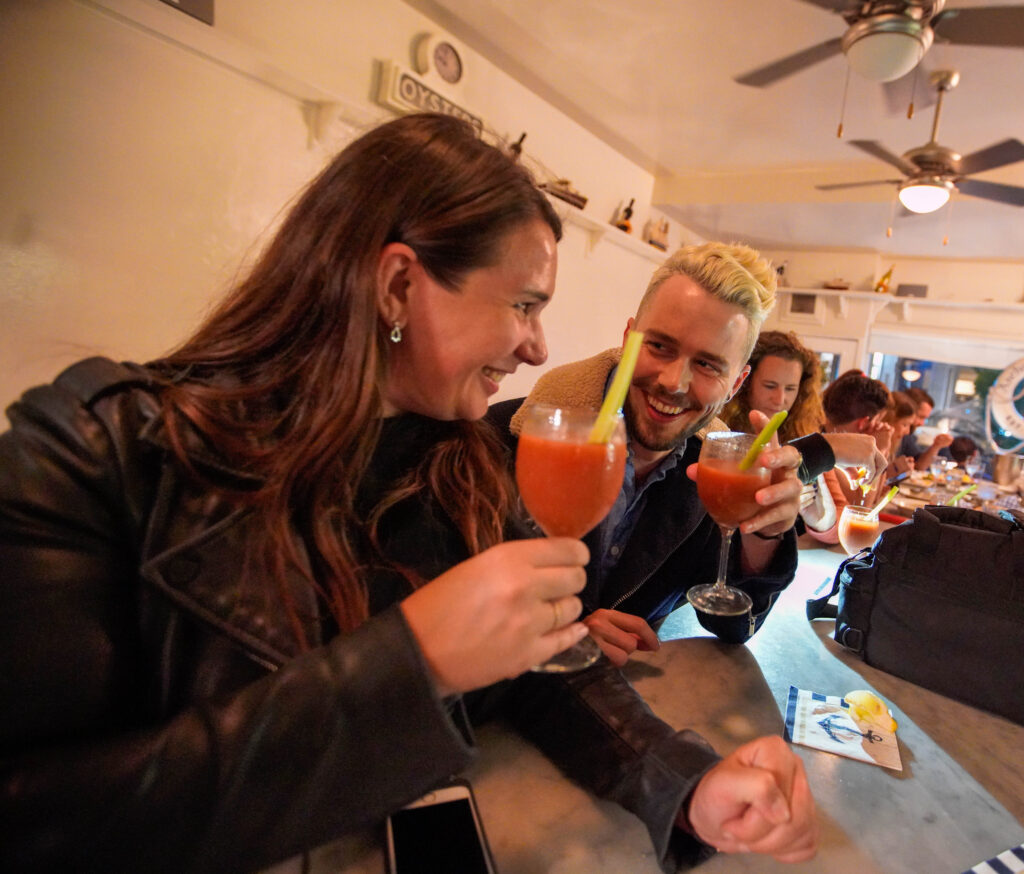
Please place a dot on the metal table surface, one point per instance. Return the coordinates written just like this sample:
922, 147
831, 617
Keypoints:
958, 801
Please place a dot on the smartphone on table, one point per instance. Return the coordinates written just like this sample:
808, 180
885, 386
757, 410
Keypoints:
894, 480
440, 833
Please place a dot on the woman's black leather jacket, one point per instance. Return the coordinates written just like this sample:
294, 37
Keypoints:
158, 713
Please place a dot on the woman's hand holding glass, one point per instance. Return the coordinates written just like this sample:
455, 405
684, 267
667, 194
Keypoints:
499, 613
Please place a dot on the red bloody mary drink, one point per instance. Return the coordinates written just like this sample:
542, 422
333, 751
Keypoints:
727, 492
568, 486
858, 529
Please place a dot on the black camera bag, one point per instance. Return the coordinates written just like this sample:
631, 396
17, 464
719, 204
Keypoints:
939, 601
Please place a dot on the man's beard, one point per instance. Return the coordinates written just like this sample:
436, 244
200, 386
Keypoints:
636, 427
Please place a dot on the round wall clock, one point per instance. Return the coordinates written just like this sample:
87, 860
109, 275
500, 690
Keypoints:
439, 54
447, 62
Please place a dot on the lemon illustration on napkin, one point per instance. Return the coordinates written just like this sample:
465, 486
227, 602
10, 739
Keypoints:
867, 707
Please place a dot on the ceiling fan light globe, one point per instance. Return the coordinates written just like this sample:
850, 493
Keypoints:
885, 56
924, 196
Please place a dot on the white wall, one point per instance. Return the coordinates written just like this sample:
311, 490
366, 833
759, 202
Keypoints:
138, 176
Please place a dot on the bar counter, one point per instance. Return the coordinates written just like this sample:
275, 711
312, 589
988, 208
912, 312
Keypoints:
958, 801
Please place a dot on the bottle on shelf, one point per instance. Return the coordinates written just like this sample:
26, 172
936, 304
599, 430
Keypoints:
882, 286
622, 221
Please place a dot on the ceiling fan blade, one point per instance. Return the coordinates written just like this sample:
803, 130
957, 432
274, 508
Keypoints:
997, 155
981, 26
877, 150
1011, 194
835, 186
771, 73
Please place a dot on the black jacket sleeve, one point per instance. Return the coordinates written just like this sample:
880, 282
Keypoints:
818, 456
594, 726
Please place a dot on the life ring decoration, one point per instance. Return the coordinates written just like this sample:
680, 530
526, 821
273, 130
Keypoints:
1002, 404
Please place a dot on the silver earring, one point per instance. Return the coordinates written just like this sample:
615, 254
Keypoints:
396, 333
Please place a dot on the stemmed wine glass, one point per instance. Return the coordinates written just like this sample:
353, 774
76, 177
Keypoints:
728, 495
858, 528
568, 482
973, 465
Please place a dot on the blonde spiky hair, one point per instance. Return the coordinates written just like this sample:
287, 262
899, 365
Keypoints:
731, 272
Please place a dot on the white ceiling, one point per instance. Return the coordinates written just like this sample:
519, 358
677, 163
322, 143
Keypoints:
654, 78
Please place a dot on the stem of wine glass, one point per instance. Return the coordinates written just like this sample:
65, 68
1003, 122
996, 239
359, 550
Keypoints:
723, 556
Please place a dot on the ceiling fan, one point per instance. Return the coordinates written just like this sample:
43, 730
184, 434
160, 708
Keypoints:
886, 39
932, 171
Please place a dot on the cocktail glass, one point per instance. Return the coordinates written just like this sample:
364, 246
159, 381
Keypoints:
973, 465
858, 528
728, 495
568, 483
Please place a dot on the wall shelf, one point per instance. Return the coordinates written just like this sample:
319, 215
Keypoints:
598, 231
880, 301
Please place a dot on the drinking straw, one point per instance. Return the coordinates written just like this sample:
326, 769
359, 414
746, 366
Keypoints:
952, 502
888, 497
605, 422
759, 442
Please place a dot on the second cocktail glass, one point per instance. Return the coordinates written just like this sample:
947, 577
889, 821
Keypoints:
568, 483
858, 528
728, 495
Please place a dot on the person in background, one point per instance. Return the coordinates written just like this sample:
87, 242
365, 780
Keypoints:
962, 449
855, 403
786, 375
923, 456
900, 416
247, 585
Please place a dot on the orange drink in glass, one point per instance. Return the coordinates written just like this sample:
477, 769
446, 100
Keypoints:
568, 483
728, 495
858, 528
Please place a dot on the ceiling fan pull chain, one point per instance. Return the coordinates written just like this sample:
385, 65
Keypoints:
913, 90
949, 220
892, 215
842, 110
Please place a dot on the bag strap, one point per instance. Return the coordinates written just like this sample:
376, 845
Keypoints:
820, 608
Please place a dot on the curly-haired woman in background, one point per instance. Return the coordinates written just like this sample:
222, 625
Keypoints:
786, 375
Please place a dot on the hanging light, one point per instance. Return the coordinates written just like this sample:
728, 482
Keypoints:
925, 195
964, 387
911, 375
884, 47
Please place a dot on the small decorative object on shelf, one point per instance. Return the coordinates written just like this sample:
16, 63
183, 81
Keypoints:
780, 275
622, 220
563, 190
656, 233
882, 286
837, 284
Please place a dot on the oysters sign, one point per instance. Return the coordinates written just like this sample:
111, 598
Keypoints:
401, 90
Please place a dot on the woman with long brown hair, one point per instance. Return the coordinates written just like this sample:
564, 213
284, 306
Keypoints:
245, 584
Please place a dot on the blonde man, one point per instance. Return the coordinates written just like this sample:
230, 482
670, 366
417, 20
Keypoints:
700, 315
